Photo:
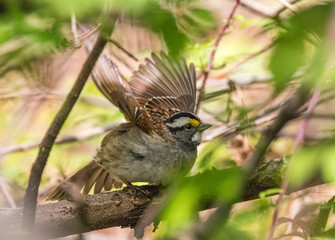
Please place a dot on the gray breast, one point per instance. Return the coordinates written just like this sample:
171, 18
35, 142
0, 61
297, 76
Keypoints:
138, 157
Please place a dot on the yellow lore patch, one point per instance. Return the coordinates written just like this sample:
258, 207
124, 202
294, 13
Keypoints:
194, 122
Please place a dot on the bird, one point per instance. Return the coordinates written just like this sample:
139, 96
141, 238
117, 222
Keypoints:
160, 136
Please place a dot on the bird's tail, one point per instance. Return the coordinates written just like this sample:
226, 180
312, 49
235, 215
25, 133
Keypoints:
87, 177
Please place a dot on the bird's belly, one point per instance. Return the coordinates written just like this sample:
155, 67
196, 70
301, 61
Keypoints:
144, 158
161, 166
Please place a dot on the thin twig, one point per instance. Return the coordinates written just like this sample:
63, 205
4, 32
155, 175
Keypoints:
118, 45
5, 192
83, 135
258, 7
211, 59
284, 8
51, 95
288, 5
74, 31
261, 118
88, 33
310, 110
29, 206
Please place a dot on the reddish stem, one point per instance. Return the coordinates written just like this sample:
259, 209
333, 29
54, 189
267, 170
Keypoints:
299, 140
211, 59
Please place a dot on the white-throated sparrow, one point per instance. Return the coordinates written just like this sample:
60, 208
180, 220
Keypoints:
160, 136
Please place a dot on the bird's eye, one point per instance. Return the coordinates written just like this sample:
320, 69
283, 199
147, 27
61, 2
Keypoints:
188, 126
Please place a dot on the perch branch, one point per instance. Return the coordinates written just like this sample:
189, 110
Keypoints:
62, 218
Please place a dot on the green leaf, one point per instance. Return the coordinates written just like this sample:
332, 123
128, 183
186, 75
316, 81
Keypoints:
303, 165
323, 215
286, 59
290, 54
195, 22
269, 192
328, 163
162, 22
188, 196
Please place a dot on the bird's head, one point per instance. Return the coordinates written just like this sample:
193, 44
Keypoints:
186, 128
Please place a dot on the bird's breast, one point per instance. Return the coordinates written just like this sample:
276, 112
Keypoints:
138, 157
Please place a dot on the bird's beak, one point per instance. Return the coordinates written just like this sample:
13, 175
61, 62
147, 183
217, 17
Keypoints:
203, 127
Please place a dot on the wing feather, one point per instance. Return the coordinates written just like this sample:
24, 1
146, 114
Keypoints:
116, 89
164, 77
160, 86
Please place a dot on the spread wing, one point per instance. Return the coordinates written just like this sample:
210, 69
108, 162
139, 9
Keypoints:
156, 90
171, 83
107, 78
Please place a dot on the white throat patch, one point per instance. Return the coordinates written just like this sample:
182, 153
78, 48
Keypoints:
196, 137
179, 122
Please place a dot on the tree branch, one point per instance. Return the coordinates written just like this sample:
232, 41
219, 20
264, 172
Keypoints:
29, 206
118, 45
124, 209
80, 136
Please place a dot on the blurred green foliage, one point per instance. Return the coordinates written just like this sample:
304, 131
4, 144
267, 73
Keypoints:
309, 161
305, 31
187, 197
32, 30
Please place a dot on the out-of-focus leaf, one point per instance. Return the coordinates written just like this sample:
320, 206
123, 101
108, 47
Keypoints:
231, 232
313, 20
328, 235
243, 112
213, 154
290, 55
62, 9
303, 165
189, 196
26, 35
199, 53
249, 22
322, 219
287, 57
310, 160
195, 22
163, 22
269, 192
328, 163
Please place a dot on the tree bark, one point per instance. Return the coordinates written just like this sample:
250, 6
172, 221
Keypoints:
123, 207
